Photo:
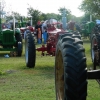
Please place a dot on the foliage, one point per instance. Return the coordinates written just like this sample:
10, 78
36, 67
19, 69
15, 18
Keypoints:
86, 18
38, 15
68, 15
15, 14
53, 15
35, 14
68, 12
91, 7
3, 5
43, 16
61, 9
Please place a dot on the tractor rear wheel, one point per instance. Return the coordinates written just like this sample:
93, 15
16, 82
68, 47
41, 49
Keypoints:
93, 43
30, 51
95, 47
70, 69
18, 39
19, 44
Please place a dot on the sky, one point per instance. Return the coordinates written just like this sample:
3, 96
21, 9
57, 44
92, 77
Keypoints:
45, 6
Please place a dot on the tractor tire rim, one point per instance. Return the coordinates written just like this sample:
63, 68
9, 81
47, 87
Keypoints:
59, 79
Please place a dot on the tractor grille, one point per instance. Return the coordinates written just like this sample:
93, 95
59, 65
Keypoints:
8, 38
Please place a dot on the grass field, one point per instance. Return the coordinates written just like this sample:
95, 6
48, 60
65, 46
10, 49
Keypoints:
17, 82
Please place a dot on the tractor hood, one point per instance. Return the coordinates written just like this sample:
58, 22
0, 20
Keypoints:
7, 31
55, 31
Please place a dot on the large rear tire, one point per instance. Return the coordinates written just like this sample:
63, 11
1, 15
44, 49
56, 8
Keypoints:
70, 69
30, 50
95, 47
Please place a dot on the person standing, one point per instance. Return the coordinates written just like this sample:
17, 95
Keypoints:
38, 30
44, 31
39, 35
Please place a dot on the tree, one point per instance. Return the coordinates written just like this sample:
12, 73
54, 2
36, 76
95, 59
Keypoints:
43, 16
15, 14
86, 18
63, 8
91, 7
2, 5
35, 14
53, 15
68, 12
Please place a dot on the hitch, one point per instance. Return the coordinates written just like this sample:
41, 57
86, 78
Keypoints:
94, 74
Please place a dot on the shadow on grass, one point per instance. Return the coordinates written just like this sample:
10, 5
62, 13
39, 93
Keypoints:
45, 71
38, 68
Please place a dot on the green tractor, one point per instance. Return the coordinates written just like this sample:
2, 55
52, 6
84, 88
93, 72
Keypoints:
10, 39
87, 29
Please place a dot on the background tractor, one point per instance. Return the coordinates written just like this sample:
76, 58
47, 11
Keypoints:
87, 29
23, 25
10, 39
70, 60
95, 46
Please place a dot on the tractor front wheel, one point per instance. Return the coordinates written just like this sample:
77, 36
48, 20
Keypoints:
19, 51
70, 69
19, 44
30, 51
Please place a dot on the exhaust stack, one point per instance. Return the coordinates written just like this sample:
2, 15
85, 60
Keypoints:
64, 20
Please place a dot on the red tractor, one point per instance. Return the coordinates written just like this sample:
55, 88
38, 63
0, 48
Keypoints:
54, 28
70, 60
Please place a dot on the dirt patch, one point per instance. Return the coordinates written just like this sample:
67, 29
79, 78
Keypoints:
10, 71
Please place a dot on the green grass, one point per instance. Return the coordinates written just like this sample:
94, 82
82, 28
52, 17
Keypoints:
17, 82
87, 46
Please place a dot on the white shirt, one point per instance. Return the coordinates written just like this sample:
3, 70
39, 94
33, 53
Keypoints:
44, 25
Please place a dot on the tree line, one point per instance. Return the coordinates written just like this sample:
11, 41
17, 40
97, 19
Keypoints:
90, 7
38, 15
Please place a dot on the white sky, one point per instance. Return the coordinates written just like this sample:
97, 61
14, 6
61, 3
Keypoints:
45, 6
